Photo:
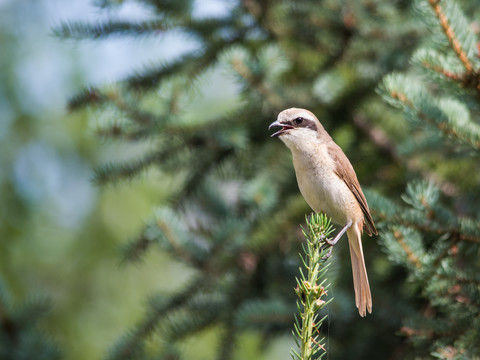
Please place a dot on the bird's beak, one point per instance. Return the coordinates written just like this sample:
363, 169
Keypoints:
284, 128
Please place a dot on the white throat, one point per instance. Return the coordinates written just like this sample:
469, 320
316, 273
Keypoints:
301, 140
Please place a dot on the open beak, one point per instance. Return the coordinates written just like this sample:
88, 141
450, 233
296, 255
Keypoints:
284, 128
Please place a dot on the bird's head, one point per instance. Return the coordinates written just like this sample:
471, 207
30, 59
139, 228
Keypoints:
298, 127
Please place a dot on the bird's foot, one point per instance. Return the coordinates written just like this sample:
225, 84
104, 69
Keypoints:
328, 254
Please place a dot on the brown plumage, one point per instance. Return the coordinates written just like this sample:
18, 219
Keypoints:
350, 178
329, 184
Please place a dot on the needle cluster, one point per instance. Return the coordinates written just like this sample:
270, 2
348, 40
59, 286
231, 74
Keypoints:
312, 289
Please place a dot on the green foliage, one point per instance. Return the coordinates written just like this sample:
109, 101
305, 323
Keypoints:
439, 249
311, 289
451, 30
449, 115
436, 241
232, 215
21, 336
232, 210
210, 235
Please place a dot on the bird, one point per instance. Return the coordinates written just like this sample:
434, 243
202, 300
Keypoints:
328, 183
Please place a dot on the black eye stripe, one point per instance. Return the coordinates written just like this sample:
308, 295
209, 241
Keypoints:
310, 124
304, 123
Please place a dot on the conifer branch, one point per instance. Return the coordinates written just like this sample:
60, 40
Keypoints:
80, 31
399, 219
88, 96
134, 250
440, 122
172, 8
311, 289
440, 70
112, 172
411, 256
21, 337
135, 114
450, 34
437, 231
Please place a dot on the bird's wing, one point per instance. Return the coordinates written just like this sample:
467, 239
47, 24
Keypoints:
342, 165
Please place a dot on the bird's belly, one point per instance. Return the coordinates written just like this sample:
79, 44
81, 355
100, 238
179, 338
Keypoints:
326, 192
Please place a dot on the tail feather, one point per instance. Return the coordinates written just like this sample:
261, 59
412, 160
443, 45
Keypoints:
363, 298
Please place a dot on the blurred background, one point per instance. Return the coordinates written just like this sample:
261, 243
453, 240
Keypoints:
60, 234
166, 138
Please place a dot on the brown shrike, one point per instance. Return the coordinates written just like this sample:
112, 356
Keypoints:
329, 184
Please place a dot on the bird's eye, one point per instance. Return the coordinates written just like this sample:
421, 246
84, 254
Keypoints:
298, 120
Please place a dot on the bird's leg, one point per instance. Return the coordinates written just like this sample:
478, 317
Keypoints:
340, 234
331, 243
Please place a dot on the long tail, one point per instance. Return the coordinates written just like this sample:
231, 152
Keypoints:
363, 298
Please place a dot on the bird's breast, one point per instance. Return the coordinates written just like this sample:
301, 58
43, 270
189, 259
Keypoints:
320, 186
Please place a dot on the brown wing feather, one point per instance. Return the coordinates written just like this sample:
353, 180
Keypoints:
344, 170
